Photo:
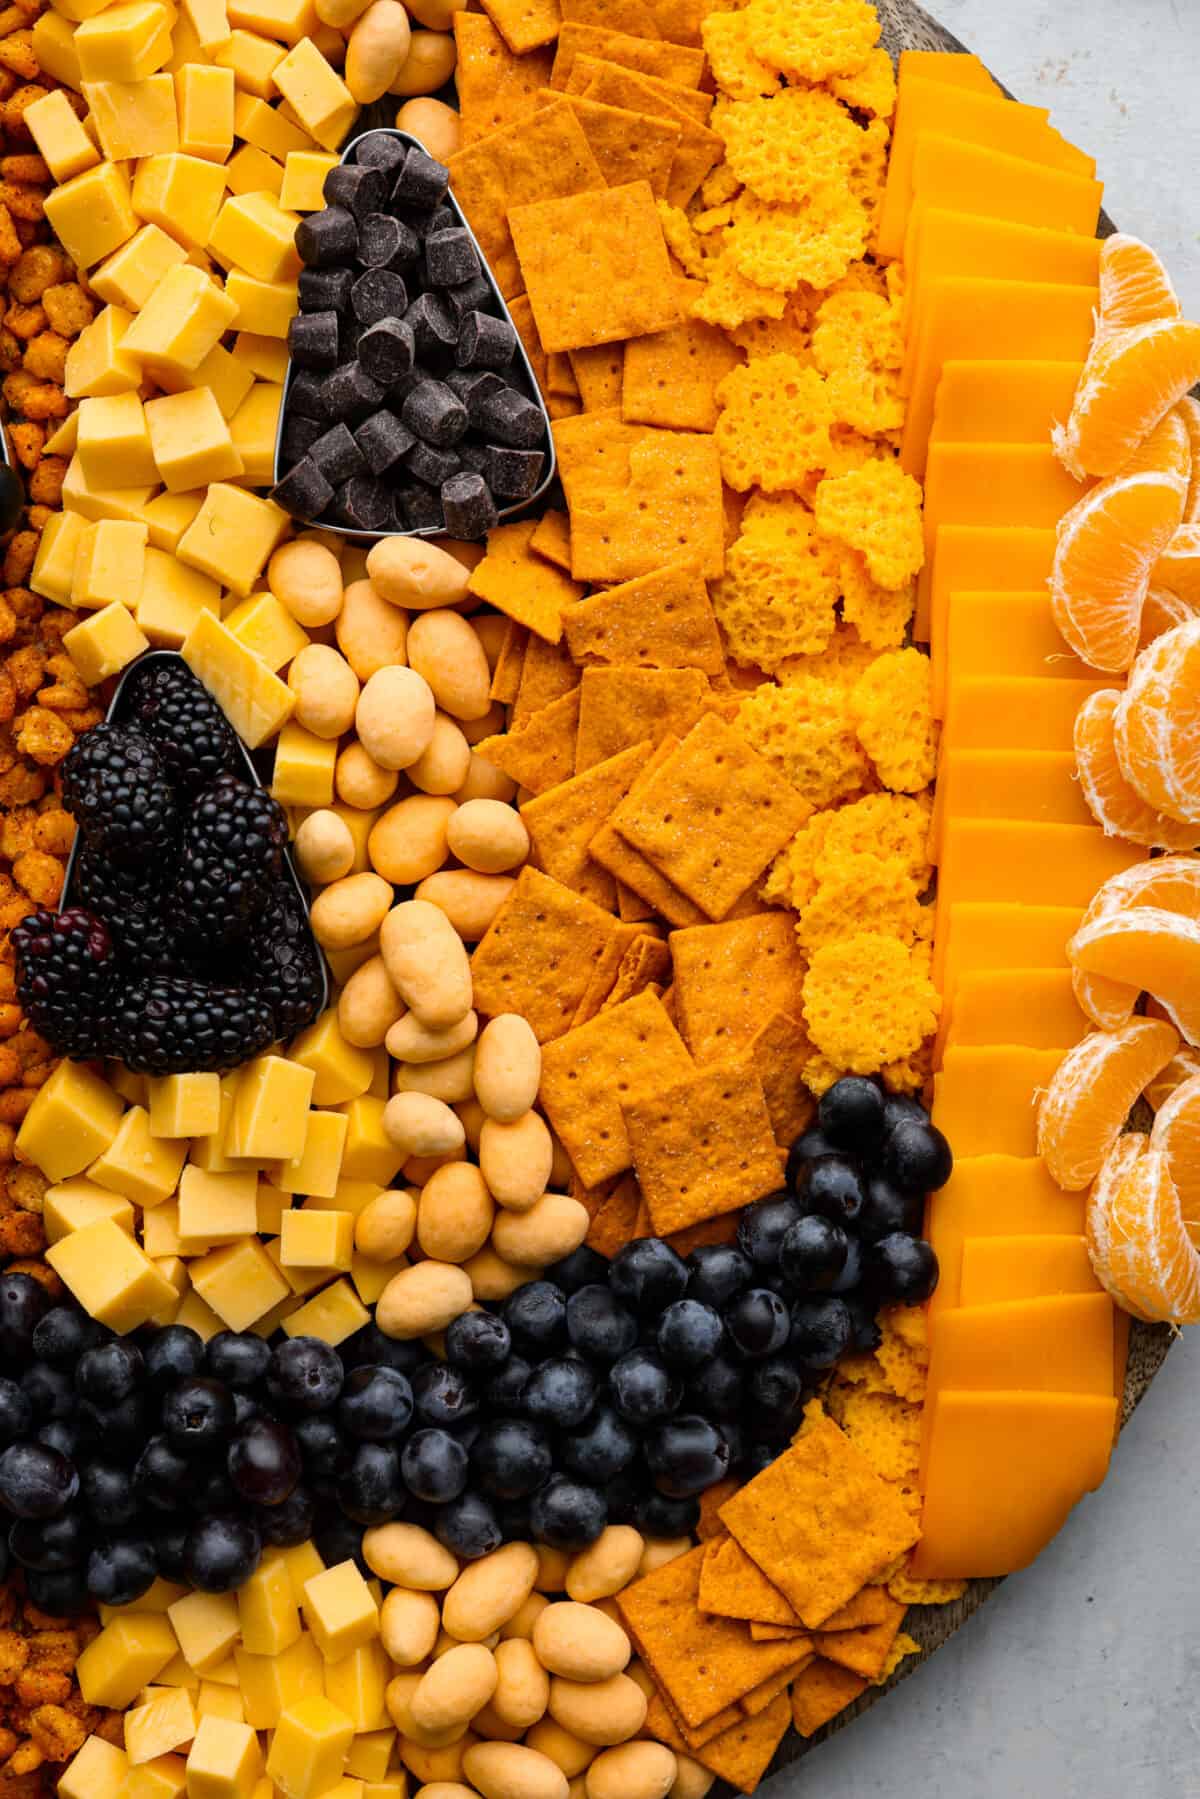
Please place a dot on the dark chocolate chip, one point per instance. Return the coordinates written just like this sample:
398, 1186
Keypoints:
472, 455
418, 509
383, 440
511, 419
350, 393
472, 296
337, 455
386, 350
512, 474
327, 238
421, 182
379, 294
380, 150
365, 504
467, 506
441, 219
430, 465
325, 290
356, 186
434, 330
485, 342
304, 491
298, 436
313, 340
485, 385
451, 258
434, 413
385, 243
304, 397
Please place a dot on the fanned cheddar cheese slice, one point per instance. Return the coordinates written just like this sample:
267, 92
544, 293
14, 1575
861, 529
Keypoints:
989, 1196
943, 242
1012, 635
957, 68
995, 1269
995, 484
1002, 402
985, 1100
1029, 864
1023, 712
1033, 1007
1037, 785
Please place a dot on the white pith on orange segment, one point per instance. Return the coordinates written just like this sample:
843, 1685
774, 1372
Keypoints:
1176, 1131
1119, 1162
1162, 611
1157, 724
1188, 410
1159, 949
1130, 381
1179, 1069
1134, 286
1172, 882
1153, 1265
1178, 568
1082, 1111
1118, 808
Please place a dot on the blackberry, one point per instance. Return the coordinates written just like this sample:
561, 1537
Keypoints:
281, 964
65, 964
114, 784
232, 852
171, 1025
131, 906
183, 721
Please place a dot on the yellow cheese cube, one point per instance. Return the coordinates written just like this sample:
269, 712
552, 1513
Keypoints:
272, 1204
134, 118
302, 1561
92, 214
97, 362
132, 1087
266, 307
99, 1768
265, 357
181, 321
309, 1746
268, 1611
230, 539
177, 1673
267, 629
254, 700
209, 21
137, 1165
333, 1315
204, 97
240, 1282
163, 1778
129, 276
345, 1788
54, 49
61, 140
173, 1270
215, 1700
304, 770
166, 1722
108, 564
356, 1682
302, 1281
114, 442
354, 1196
221, 373
341, 1071
54, 565
304, 179
323, 102
185, 1105
181, 193
159, 1596
208, 1151
370, 1278
96, 502
65, 435
217, 1208
254, 233
106, 643
368, 1154
160, 1232
207, 1627
370, 1752
271, 1683
124, 1656
126, 42
112, 1278
339, 1610
73, 1119
316, 1239
185, 47
343, 962
288, 20
69, 1205
172, 598
315, 1171
261, 125
252, 60
392, 1786
225, 1673
225, 1760
250, 170
198, 1315
168, 517
270, 1111
191, 441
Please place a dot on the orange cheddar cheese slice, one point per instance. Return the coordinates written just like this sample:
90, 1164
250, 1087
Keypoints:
998, 934
993, 1196
1010, 635
995, 484
996, 1269
960, 68
969, 118
1056, 1343
1030, 864
964, 177
985, 1099
1020, 712
1005, 321
1002, 402
1035, 1007
979, 559
1003, 1472
1038, 785
942, 242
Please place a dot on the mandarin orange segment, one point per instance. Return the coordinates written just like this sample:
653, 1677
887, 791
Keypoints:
1108, 544
1178, 568
1158, 950
1107, 1003
1169, 881
1188, 410
1162, 611
1088, 1099
1119, 1162
1117, 809
1129, 384
1158, 724
1134, 286
1179, 1069
1154, 1270
1176, 1131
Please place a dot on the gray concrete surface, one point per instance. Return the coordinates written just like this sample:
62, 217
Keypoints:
1079, 1679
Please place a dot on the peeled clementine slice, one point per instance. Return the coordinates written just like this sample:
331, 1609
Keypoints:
1189, 412
1153, 1266
1179, 1069
1113, 803
1158, 950
1178, 568
1088, 1099
1129, 383
1162, 611
1157, 724
1177, 1132
1108, 543
1172, 882
1134, 286
1120, 1161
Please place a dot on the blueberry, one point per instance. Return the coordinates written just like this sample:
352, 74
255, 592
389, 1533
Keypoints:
813, 1254
323, 1448
758, 1322
63, 1434
689, 1334
559, 1393
759, 1456
686, 1456
622, 1495
108, 1494
163, 1477
657, 1515
109, 1373
376, 1404
121, 1570
900, 1268
16, 1412
443, 1396
57, 1543
339, 1539
511, 1457
52, 1392
238, 1359
290, 1522
832, 1186
602, 1449
371, 1488
852, 1269
477, 1342
221, 1553
23, 1303
536, 1314
469, 1526
850, 1115
306, 1374
584, 1267
647, 1275
264, 1461
513, 1518
116, 1429
369, 1348
61, 1335
598, 1325
887, 1208
821, 1330
866, 1334
173, 1354
503, 1391
715, 1391
567, 1515
717, 1273
170, 1541
763, 1226
643, 1388
245, 1409
775, 1397
198, 1415
898, 1106
213, 1491
61, 1594
433, 1466
805, 1149
917, 1156
36, 1482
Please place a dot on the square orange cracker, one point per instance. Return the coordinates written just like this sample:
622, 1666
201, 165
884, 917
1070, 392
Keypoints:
598, 373
604, 975
702, 1146
735, 1587
669, 62
523, 586
712, 816
776, 1633
525, 24
721, 1229
506, 676
778, 1052
621, 706
869, 1607
631, 907
702, 1663
615, 84
547, 672
613, 853
763, 1696
495, 88
678, 21
820, 1522
633, 17
645, 964
562, 409
820, 1693
538, 954
560, 376
552, 539
623, 1053
730, 976
743, 1753
699, 152
542, 155
710, 1529
628, 145
661, 1713
612, 1227
661, 620
562, 821
670, 377
595, 270
542, 752
521, 313
639, 498
865, 1650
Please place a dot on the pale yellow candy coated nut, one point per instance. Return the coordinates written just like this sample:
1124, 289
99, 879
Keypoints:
371, 634
508, 1067
450, 1080
522, 1687
492, 1278
395, 715
398, 1699
511, 1771
324, 848
489, 1591
579, 1642
661, 1550
606, 1565
376, 50
552, 1227
568, 1752
421, 1125
515, 1159
469, 900
350, 911
454, 1215
601, 1712
428, 963
422, 1299
552, 1569
632, 1771
340, 13
427, 67
523, 1620
692, 1778
488, 836
443, 766
485, 782
305, 577
455, 1687
436, 1764
368, 1005
386, 1226
360, 782
437, 15
434, 124
408, 1626
444, 648
326, 690
409, 841
409, 1040
492, 1728
410, 571
445, 1789
409, 1556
